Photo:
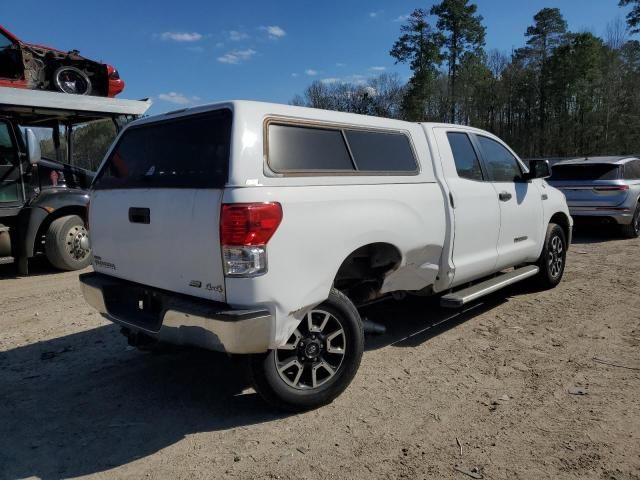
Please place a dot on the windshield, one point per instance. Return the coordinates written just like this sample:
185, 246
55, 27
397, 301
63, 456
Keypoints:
188, 152
597, 171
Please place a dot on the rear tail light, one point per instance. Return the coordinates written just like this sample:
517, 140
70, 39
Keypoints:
245, 230
612, 188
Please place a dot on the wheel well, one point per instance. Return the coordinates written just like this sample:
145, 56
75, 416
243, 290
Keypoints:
38, 245
562, 220
362, 273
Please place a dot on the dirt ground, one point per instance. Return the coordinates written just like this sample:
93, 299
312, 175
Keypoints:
515, 387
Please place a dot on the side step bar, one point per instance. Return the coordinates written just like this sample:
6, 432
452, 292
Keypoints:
462, 297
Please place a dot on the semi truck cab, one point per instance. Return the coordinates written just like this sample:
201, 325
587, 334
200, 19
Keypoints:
43, 201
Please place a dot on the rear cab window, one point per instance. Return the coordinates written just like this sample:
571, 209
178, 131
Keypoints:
464, 156
184, 152
594, 171
308, 150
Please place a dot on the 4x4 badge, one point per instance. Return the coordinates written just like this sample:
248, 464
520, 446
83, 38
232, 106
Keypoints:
214, 288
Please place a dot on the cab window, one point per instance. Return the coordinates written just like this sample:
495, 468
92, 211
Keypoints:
501, 165
7, 147
4, 41
464, 156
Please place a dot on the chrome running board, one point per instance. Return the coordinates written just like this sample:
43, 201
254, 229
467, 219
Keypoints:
462, 297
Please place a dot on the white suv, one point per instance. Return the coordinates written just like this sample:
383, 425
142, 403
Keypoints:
256, 228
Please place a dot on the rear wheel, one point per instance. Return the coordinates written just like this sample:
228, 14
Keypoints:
553, 258
67, 243
633, 229
72, 80
318, 361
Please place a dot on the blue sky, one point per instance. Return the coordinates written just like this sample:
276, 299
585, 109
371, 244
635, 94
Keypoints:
188, 52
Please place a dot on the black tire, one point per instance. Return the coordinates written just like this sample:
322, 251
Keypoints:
271, 384
553, 257
63, 243
71, 80
633, 229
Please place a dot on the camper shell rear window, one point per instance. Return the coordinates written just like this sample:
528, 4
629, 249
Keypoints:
185, 152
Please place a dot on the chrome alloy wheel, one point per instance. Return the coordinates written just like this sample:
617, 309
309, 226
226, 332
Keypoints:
77, 244
556, 256
314, 353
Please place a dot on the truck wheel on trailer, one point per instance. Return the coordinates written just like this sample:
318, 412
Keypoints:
67, 243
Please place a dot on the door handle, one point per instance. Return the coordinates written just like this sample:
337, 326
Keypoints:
504, 196
140, 215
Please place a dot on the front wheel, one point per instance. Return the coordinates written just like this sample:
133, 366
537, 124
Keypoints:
69, 79
317, 363
553, 258
67, 243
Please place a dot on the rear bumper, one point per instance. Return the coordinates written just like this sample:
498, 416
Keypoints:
620, 215
178, 319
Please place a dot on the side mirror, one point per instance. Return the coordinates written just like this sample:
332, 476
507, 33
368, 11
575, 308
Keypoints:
538, 169
33, 147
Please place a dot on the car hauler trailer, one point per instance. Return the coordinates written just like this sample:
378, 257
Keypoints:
43, 202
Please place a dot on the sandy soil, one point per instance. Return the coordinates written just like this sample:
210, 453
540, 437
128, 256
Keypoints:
493, 391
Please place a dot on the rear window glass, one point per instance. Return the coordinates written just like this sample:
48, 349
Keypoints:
188, 152
316, 149
602, 171
377, 151
301, 148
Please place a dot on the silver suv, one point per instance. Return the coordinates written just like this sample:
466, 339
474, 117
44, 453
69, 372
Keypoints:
604, 188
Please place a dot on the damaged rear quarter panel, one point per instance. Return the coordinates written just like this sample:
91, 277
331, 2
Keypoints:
323, 226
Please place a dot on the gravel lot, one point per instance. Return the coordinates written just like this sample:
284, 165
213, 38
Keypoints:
515, 387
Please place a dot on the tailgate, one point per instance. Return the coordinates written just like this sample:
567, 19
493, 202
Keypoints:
156, 200
164, 238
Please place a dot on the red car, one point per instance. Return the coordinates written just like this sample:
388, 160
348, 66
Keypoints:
25, 65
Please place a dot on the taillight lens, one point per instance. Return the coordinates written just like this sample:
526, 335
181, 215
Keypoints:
245, 229
612, 188
114, 75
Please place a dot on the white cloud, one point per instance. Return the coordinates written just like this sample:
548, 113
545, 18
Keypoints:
294, 75
236, 36
378, 69
237, 56
181, 36
274, 31
341, 64
330, 80
373, 14
177, 98
401, 18
311, 72
219, 45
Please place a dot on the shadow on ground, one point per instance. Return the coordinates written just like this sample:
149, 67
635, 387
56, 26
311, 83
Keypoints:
84, 403
37, 266
584, 233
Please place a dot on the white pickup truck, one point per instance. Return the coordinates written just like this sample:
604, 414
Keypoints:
256, 228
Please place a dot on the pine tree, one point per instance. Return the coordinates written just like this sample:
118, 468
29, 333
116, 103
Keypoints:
463, 33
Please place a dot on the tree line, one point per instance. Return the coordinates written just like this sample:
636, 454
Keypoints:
562, 93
